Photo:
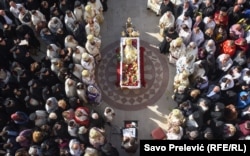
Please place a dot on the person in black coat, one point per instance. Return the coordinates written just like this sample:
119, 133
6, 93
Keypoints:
80, 34
109, 150
60, 36
25, 32
21, 55
104, 5
9, 31
32, 4
169, 35
47, 77
50, 147
213, 93
35, 89
207, 8
6, 57
167, 5
45, 9
48, 37
185, 7
198, 22
58, 91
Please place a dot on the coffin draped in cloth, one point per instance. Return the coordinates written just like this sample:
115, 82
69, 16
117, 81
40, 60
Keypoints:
130, 67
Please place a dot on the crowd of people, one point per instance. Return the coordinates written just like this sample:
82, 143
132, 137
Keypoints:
49, 105
208, 44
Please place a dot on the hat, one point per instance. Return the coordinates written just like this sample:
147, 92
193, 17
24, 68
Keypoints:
177, 112
178, 41
85, 73
85, 56
82, 130
90, 38
88, 8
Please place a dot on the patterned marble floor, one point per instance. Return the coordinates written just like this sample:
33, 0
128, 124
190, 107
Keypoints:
155, 72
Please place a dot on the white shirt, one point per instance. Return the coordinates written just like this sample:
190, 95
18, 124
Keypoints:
79, 13
179, 21
15, 11
244, 77
226, 86
198, 38
208, 24
37, 18
54, 27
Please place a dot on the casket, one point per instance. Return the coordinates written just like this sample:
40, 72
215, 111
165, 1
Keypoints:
130, 75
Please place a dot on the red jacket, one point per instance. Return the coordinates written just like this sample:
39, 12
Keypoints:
220, 20
84, 121
228, 47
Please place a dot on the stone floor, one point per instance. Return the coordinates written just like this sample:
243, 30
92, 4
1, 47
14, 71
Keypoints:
150, 104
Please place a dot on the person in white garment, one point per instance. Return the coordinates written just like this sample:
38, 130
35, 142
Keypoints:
89, 13
79, 11
185, 33
81, 90
70, 88
54, 24
176, 50
226, 82
70, 42
197, 36
192, 49
166, 21
25, 16
185, 63
183, 19
77, 54
98, 9
52, 51
36, 17
88, 62
109, 114
14, 8
93, 45
210, 46
87, 77
209, 22
76, 70
70, 20
93, 28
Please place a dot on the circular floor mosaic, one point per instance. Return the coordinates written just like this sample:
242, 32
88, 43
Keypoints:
155, 73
